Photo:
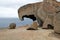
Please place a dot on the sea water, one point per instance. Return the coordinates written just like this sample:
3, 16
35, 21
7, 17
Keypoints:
4, 22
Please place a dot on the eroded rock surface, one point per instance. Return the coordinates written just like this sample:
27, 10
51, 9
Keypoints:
46, 12
34, 26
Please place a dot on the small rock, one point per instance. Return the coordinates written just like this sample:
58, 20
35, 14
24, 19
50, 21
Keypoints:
34, 26
12, 26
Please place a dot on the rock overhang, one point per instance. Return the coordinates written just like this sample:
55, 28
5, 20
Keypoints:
29, 16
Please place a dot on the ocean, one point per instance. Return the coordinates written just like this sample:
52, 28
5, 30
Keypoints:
4, 22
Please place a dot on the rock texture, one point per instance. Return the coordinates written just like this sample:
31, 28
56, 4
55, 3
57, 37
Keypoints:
46, 12
12, 26
34, 26
23, 34
57, 23
27, 9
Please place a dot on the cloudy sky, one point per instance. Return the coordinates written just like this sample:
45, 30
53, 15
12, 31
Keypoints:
8, 8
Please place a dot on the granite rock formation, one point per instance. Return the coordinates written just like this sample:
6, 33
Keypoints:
46, 12
29, 11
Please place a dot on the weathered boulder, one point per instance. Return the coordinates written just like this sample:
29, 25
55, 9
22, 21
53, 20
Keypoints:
34, 26
45, 11
12, 26
29, 11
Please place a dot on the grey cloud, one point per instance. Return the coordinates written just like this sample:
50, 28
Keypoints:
14, 3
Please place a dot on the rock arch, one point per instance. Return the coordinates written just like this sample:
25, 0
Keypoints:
45, 11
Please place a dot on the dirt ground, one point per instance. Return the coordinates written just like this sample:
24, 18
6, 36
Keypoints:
22, 34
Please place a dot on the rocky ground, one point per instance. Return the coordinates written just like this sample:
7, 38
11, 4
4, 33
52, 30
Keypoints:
23, 34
